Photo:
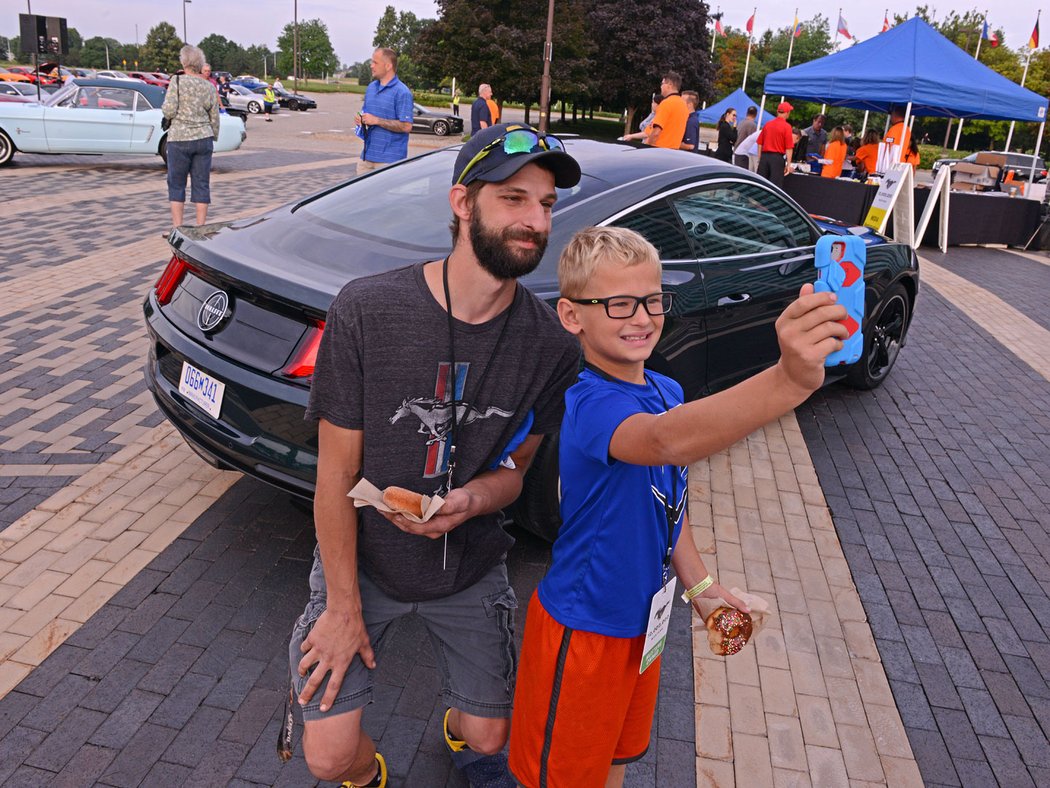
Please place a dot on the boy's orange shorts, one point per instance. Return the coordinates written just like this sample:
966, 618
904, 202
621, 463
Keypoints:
580, 705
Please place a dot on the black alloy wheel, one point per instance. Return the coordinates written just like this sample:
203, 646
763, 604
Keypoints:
293, 105
883, 342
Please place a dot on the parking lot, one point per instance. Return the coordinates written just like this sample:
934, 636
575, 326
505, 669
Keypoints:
902, 536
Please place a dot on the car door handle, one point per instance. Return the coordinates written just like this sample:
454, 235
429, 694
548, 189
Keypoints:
128, 114
734, 300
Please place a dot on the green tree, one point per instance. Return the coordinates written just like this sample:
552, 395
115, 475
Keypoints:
16, 54
93, 53
253, 60
5, 48
161, 50
217, 51
316, 55
401, 32
639, 40
502, 44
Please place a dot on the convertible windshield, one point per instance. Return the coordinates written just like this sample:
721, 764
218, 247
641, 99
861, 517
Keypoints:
60, 95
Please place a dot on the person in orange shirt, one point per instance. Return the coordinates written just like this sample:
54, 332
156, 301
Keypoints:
835, 153
668, 128
493, 108
866, 158
897, 133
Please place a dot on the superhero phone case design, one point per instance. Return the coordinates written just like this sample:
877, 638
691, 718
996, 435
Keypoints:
840, 269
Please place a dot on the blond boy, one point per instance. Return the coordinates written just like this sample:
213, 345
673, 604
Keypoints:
589, 671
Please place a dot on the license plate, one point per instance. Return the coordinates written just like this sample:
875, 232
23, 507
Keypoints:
201, 389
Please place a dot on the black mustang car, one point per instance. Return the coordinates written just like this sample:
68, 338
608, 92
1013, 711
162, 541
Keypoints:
236, 317
439, 123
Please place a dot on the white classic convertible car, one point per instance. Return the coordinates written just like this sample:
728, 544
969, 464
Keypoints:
98, 116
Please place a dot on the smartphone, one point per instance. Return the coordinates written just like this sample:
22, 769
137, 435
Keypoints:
840, 269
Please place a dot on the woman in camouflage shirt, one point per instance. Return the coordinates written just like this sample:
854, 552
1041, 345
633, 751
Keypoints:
193, 107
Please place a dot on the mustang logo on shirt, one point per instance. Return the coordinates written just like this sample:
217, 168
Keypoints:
435, 415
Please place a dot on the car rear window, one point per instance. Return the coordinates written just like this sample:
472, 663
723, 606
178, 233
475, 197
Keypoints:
407, 204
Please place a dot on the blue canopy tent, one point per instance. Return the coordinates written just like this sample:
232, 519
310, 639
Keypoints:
738, 100
915, 66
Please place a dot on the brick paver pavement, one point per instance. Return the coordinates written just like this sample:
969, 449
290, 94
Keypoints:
175, 672
939, 485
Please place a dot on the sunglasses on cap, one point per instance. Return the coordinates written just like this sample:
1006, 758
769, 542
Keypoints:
520, 140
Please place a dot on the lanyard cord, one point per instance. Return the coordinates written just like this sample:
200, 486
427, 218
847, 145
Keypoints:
454, 434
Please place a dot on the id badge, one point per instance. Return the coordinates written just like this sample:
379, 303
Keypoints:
659, 621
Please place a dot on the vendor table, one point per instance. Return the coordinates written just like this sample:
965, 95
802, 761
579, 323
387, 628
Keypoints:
974, 218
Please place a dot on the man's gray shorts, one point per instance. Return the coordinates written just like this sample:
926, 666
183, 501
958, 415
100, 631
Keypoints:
472, 632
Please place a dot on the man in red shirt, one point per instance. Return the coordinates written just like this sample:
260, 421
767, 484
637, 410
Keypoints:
668, 128
775, 144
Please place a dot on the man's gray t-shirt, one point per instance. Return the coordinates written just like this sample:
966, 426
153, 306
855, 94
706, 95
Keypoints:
815, 140
384, 367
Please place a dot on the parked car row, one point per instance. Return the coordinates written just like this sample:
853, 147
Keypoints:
98, 116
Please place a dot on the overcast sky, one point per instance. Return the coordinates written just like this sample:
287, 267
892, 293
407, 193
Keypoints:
351, 23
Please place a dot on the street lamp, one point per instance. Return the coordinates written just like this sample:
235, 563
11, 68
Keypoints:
185, 36
545, 81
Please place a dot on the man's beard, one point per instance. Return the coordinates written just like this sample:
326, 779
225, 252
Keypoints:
495, 254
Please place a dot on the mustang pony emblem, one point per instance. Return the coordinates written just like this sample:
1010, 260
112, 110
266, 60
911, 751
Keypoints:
435, 415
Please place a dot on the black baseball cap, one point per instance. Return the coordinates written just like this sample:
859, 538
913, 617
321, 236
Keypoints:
498, 165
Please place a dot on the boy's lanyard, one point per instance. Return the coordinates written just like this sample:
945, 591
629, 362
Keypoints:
670, 504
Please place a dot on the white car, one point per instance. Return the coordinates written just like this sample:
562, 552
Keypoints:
241, 97
114, 75
98, 116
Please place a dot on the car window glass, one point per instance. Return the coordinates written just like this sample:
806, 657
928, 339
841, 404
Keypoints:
738, 218
142, 103
660, 227
407, 204
116, 98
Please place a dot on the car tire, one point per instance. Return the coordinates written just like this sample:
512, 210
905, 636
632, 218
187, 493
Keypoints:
441, 128
163, 150
538, 508
7, 149
254, 107
293, 105
883, 340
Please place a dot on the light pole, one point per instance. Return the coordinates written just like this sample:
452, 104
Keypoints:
185, 36
106, 45
295, 47
545, 82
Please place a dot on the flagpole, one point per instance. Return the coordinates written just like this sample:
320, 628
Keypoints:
750, 37
836, 41
791, 44
714, 33
976, 56
1024, 76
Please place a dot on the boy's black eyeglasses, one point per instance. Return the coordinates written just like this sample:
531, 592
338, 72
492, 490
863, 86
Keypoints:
622, 307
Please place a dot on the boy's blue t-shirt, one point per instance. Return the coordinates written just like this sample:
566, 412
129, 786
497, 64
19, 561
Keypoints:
608, 557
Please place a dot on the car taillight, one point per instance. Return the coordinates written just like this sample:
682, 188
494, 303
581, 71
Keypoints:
169, 280
305, 358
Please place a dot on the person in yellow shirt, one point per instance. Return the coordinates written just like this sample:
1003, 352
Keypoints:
835, 153
668, 128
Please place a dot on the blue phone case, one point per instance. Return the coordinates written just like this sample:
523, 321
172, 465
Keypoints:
840, 269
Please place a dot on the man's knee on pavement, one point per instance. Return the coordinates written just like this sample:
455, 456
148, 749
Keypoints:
484, 735
335, 746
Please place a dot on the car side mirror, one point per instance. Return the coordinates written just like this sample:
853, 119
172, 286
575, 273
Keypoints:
417, 111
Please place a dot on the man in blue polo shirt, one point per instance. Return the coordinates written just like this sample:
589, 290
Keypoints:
386, 116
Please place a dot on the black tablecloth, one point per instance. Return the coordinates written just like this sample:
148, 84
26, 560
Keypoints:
973, 219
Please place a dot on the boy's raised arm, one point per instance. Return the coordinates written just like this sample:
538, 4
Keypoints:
808, 332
